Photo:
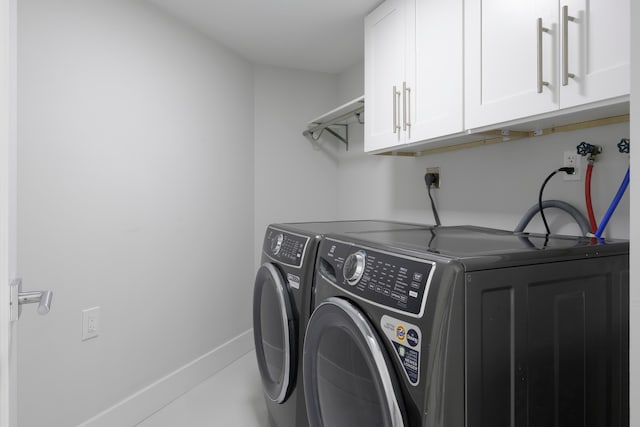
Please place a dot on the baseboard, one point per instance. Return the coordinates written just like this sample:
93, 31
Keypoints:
147, 401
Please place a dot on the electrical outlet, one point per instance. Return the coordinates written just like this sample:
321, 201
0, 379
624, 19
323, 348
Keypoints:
435, 171
90, 323
571, 159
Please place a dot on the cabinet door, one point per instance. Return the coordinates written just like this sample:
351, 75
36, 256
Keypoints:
548, 345
435, 69
597, 49
384, 70
501, 60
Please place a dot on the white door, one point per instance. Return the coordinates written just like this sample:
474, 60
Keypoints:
597, 50
502, 42
435, 69
8, 328
11, 296
384, 74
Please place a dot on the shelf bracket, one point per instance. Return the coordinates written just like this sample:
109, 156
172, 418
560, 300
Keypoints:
315, 136
338, 136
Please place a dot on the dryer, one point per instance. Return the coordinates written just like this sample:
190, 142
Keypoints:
281, 307
468, 327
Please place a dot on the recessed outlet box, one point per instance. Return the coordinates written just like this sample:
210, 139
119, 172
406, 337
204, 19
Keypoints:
436, 171
572, 159
90, 323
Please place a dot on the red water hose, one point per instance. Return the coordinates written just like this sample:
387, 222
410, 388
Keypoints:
587, 194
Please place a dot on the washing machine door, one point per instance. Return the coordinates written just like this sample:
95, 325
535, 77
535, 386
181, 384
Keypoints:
274, 332
348, 377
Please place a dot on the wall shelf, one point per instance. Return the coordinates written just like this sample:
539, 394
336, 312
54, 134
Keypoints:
336, 118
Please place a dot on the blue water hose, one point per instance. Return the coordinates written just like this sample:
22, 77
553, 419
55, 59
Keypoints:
614, 204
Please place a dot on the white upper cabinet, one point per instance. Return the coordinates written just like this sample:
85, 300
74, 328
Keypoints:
435, 70
413, 72
531, 57
384, 72
598, 50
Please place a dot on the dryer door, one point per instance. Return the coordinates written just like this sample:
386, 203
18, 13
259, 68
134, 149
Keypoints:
274, 332
348, 377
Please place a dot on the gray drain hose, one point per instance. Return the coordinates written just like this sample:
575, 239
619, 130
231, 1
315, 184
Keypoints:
583, 223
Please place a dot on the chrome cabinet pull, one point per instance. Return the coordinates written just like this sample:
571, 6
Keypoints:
406, 106
541, 81
396, 111
565, 45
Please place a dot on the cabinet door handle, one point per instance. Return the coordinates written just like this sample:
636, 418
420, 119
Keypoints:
565, 45
541, 30
396, 112
406, 106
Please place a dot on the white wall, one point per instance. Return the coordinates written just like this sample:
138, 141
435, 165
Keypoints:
350, 83
135, 195
295, 180
491, 186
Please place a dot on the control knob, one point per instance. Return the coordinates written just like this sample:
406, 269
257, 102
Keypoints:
276, 243
354, 267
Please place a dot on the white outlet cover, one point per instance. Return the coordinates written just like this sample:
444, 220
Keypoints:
90, 323
572, 159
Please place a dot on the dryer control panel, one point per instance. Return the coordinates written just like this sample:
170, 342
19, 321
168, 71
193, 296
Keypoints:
285, 247
384, 278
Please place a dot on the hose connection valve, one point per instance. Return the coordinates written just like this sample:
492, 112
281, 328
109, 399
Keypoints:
589, 150
624, 145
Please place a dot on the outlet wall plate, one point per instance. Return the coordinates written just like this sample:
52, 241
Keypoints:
90, 323
572, 159
438, 182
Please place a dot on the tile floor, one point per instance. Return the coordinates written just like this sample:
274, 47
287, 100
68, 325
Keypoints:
232, 397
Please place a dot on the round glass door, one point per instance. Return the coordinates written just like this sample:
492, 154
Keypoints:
273, 332
348, 377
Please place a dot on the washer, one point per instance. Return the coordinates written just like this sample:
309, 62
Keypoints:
468, 327
281, 307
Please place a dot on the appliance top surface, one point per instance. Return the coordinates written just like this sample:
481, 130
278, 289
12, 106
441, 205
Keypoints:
350, 227
473, 242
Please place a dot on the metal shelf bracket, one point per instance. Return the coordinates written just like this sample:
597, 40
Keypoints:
315, 136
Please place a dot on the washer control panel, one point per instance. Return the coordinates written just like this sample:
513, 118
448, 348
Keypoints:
387, 279
285, 247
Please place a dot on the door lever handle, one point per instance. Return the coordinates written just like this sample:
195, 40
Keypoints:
18, 298
42, 297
